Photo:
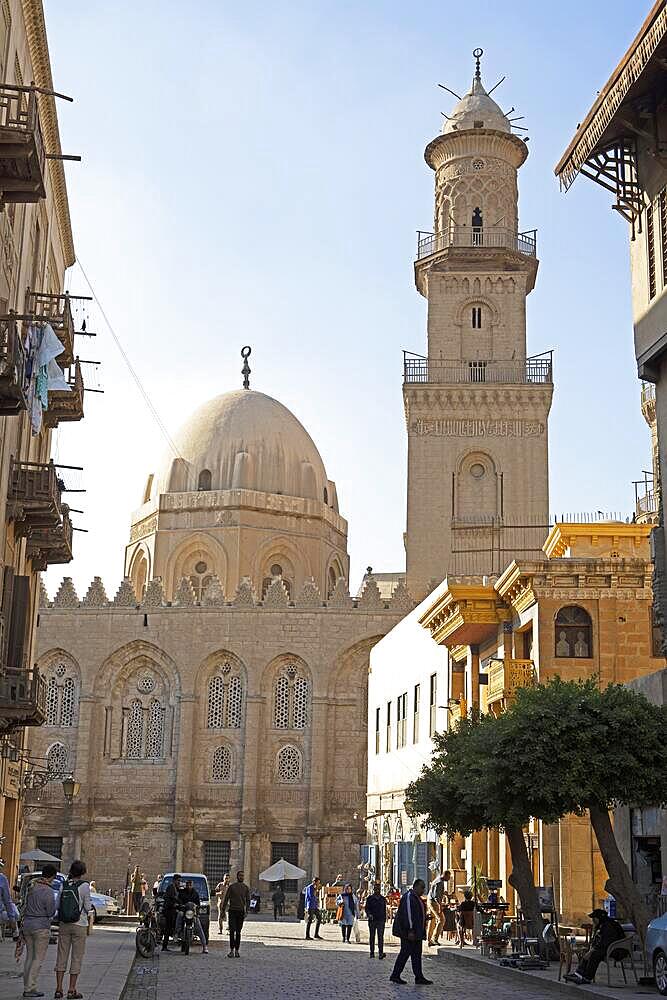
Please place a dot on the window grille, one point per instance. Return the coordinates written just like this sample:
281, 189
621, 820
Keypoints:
222, 764
217, 860
650, 251
290, 852
291, 700
662, 203
52, 699
281, 708
234, 703
216, 695
155, 734
300, 708
68, 697
289, 764
50, 845
134, 744
57, 759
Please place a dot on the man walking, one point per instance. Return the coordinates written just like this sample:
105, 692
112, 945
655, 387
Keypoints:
220, 890
410, 927
278, 900
237, 901
312, 908
40, 908
376, 911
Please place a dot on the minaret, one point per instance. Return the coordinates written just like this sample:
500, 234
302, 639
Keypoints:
476, 407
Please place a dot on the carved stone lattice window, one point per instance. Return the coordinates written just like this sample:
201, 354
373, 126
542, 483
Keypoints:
155, 733
61, 697
289, 764
225, 700
221, 769
291, 700
57, 759
134, 744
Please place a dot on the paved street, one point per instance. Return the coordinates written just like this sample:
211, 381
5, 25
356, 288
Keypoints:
276, 961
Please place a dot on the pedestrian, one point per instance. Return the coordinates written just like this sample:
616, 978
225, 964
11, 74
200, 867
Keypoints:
466, 908
312, 908
170, 909
156, 885
376, 911
75, 913
39, 911
438, 901
347, 912
136, 880
278, 900
237, 901
606, 931
410, 927
220, 890
8, 911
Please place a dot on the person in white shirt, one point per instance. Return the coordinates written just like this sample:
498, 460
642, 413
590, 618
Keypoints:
72, 934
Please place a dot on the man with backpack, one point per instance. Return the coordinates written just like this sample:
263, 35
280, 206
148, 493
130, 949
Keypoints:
74, 910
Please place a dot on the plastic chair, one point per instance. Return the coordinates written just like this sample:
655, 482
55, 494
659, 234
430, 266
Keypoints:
625, 946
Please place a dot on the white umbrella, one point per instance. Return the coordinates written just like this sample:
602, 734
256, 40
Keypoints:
281, 870
36, 855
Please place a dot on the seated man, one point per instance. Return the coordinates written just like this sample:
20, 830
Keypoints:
190, 895
606, 930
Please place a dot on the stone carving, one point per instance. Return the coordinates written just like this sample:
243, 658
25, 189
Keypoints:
67, 596
477, 428
185, 594
154, 596
143, 528
125, 596
310, 596
245, 597
340, 595
96, 596
214, 596
401, 600
276, 594
44, 601
371, 599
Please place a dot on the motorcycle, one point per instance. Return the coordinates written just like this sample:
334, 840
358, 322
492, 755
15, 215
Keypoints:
188, 927
148, 931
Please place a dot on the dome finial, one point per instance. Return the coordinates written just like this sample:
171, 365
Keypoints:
245, 371
477, 55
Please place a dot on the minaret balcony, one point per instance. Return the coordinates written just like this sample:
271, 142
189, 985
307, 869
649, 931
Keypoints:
646, 506
470, 237
58, 311
537, 370
22, 155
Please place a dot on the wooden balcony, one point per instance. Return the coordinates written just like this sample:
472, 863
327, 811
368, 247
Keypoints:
505, 676
22, 698
22, 156
34, 496
58, 311
66, 406
50, 546
12, 367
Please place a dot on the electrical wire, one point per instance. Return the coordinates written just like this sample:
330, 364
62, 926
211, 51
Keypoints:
123, 353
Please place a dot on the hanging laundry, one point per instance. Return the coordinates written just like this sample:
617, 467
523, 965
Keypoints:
45, 373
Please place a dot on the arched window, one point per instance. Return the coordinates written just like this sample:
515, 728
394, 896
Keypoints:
204, 481
221, 768
386, 831
276, 574
155, 730
477, 224
225, 699
399, 830
200, 578
57, 759
375, 833
134, 743
61, 696
326, 495
332, 581
291, 703
573, 633
288, 764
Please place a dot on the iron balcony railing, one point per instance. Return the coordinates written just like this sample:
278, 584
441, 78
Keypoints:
647, 504
493, 238
22, 697
535, 370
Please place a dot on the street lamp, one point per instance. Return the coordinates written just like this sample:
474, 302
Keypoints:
70, 788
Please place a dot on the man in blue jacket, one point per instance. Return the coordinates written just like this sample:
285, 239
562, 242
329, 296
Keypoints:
410, 927
376, 911
312, 908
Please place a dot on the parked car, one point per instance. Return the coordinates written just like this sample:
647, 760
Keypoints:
103, 905
656, 949
200, 883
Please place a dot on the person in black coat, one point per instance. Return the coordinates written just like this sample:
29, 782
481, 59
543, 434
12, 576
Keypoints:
376, 911
410, 927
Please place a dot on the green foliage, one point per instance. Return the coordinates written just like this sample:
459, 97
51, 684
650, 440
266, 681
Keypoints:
560, 747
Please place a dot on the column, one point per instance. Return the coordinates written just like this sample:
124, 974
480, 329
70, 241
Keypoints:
77, 844
247, 857
178, 864
318, 776
315, 865
473, 665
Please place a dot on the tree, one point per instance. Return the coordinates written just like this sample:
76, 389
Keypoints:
468, 786
593, 750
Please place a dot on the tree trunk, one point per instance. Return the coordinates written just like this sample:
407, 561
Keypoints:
619, 883
522, 880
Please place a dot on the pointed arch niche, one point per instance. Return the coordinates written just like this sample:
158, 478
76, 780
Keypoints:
198, 558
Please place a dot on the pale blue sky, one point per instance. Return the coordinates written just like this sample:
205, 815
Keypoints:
253, 173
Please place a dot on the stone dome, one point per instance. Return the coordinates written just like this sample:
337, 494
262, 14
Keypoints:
474, 107
244, 440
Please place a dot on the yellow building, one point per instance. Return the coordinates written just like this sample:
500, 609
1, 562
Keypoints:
35, 251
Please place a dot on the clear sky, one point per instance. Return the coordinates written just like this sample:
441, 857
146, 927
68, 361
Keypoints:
253, 173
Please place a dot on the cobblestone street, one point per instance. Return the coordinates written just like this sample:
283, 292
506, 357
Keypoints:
275, 961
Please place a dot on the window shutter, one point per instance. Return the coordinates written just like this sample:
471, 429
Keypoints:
7, 591
18, 621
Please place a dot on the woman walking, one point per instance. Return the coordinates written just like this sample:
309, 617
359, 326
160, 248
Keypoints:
73, 915
348, 911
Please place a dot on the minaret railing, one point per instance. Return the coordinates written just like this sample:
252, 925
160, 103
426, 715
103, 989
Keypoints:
472, 237
535, 370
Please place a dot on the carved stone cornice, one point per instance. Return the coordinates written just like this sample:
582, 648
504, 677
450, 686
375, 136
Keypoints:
465, 614
486, 401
